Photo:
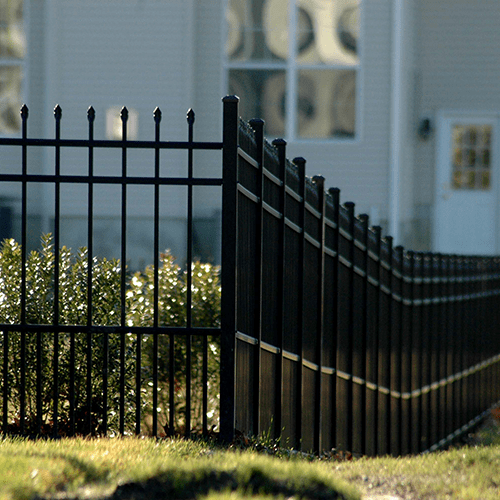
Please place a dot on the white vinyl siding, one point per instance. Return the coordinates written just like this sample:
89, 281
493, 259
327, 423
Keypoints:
120, 53
360, 167
459, 68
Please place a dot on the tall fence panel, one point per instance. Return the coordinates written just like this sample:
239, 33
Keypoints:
343, 340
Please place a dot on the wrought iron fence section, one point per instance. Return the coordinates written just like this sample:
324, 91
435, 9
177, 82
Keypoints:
107, 403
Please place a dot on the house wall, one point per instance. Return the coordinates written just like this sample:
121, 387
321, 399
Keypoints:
458, 69
10, 157
135, 53
148, 53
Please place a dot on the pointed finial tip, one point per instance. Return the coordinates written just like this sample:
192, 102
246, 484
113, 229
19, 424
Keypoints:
91, 113
57, 111
190, 116
124, 113
24, 111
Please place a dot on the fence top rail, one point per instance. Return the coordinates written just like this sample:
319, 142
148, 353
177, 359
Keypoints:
110, 179
108, 143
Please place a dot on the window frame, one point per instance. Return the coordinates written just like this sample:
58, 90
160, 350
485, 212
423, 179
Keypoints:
292, 68
22, 64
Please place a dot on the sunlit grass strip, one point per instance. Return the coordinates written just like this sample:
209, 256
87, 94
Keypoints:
167, 467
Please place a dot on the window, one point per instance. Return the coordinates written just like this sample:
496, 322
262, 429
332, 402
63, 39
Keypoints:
295, 63
471, 157
12, 54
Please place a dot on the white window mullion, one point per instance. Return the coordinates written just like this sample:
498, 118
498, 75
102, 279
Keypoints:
291, 76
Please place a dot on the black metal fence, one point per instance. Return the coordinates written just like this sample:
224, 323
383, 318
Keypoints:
329, 336
110, 344
341, 340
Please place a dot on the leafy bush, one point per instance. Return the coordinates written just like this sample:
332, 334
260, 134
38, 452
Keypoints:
172, 309
39, 348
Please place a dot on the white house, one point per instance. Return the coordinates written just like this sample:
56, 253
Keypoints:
397, 102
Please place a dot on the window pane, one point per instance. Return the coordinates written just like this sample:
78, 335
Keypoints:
471, 157
327, 31
12, 40
326, 103
262, 95
257, 30
10, 99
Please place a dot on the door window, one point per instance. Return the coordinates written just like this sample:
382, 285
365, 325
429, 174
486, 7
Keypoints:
471, 155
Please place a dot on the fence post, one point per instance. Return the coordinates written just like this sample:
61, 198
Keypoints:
228, 272
57, 246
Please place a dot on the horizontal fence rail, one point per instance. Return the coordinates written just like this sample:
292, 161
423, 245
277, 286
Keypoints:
340, 340
107, 376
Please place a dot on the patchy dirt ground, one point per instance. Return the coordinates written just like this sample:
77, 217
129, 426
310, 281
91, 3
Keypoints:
400, 488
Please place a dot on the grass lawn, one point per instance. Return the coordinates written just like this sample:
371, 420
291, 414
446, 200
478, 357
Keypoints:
131, 468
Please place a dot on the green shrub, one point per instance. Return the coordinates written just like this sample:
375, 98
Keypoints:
106, 310
205, 310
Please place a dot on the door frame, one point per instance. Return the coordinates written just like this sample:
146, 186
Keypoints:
443, 119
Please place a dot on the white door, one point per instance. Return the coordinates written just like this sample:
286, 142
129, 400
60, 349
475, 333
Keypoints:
465, 217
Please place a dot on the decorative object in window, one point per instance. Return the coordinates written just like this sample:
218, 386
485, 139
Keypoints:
12, 53
471, 153
295, 64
